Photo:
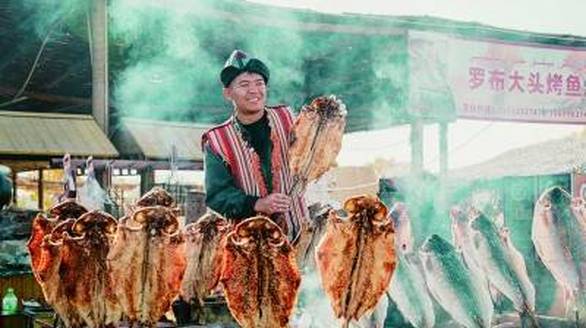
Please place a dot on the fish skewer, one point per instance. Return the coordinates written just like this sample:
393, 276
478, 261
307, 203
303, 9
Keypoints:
316, 140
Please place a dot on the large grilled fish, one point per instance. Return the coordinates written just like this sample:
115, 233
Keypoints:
459, 292
69, 262
259, 274
356, 257
204, 242
560, 240
316, 140
147, 260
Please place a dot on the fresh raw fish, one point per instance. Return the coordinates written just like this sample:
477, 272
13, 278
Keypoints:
502, 263
560, 240
403, 231
409, 292
465, 297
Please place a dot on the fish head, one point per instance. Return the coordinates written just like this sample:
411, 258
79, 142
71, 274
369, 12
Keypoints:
210, 221
327, 107
60, 230
505, 235
550, 205
319, 215
94, 224
435, 244
209, 225
479, 221
156, 197
67, 209
258, 231
459, 225
431, 250
457, 214
460, 219
402, 223
367, 208
157, 219
579, 209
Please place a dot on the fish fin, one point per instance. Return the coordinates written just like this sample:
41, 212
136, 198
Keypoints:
580, 307
499, 220
570, 303
504, 234
476, 240
388, 294
528, 318
428, 265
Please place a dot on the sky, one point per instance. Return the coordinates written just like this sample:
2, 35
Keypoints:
469, 141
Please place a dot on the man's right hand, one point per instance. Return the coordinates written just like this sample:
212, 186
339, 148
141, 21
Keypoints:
273, 203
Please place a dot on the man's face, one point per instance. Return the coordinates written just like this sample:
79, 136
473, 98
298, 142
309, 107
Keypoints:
248, 92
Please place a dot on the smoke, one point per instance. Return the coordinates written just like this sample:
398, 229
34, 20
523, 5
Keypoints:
167, 56
168, 72
46, 15
313, 306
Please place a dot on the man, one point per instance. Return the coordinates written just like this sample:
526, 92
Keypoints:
5, 189
246, 162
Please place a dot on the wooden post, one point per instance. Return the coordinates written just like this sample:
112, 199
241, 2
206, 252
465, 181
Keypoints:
443, 168
417, 147
40, 190
147, 179
443, 148
99, 57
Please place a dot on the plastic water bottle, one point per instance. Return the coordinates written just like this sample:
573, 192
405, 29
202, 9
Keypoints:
9, 302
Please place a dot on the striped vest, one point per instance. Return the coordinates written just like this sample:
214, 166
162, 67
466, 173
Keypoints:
244, 163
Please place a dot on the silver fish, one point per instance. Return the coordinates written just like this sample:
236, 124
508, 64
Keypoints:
455, 288
462, 238
409, 292
502, 263
403, 232
559, 238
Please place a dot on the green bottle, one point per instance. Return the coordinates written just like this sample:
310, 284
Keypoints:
9, 302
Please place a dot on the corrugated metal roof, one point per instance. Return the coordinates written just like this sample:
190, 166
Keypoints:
155, 139
44, 134
551, 157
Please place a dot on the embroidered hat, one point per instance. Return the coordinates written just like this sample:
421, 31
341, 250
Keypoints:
238, 63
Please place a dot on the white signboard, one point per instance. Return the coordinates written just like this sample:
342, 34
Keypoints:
495, 81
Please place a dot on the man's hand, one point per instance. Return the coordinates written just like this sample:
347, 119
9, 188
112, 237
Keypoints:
273, 203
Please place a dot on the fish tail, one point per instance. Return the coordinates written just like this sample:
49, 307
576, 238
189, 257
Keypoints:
528, 318
580, 308
480, 323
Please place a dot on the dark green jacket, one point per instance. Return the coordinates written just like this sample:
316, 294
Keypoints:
223, 195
